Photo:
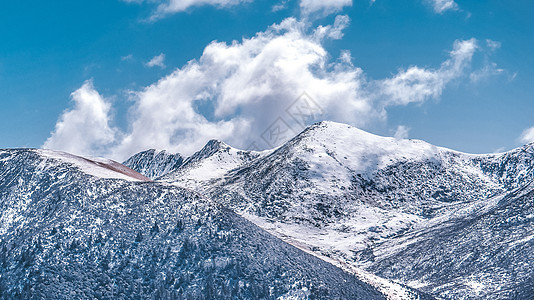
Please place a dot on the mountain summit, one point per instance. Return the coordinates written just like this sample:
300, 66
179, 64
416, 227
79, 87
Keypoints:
357, 198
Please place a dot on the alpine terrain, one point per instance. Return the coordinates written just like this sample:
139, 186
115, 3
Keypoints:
76, 228
451, 224
334, 213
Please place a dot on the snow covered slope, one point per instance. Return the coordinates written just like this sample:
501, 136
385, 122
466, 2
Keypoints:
154, 164
344, 189
67, 234
98, 167
485, 254
341, 192
209, 164
359, 199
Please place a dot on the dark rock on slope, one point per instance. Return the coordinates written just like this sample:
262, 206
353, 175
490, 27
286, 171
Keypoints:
154, 164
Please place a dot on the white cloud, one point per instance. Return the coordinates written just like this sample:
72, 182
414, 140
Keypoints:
166, 7
84, 129
527, 136
157, 61
402, 132
248, 84
280, 6
128, 57
418, 84
334, 32
493, 45
489, 69
441, 6
235, 91
322, 6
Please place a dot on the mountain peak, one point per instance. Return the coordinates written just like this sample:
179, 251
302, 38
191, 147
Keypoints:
154, 163
212, 147
216, 144
331, 127
357, 149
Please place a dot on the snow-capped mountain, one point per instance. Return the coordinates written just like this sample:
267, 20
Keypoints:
70, 229
339, 192
350, 189
413, 215
210, 164
153, 163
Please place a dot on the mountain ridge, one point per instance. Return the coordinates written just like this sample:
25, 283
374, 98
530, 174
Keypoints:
67, 234
343, 193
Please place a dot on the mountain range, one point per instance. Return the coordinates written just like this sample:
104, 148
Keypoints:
81, 228
385, 205
334, 213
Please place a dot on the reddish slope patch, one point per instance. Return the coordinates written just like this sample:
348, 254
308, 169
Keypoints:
119, 168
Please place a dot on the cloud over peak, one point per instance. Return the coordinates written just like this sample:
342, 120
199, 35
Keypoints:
85, 129
527, 136
238, 91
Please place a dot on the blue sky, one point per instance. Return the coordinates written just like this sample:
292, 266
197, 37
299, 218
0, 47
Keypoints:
75, 75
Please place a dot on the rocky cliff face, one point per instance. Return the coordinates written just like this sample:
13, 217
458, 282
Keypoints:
154, 164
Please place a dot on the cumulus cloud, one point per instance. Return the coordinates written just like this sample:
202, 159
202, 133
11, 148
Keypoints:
419, 84
527, 136
248, 84
84, 129
157, 61
237, 91
441, 6
324, 7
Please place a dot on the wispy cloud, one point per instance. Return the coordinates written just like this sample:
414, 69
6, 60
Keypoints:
493, 45
167, 7
323, 7
157, 61
128, 57
280, 6
416, 85
489, 67
402, 132
441, 6
527, 136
